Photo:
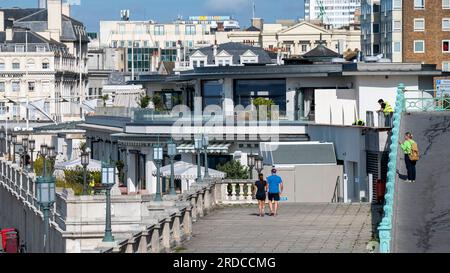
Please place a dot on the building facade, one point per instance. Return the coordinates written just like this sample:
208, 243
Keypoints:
43, 60
336, 13
370, 27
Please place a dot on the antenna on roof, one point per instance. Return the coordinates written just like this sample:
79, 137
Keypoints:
254, 9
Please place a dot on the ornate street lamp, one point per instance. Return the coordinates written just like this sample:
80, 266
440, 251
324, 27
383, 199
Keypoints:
198, 144
157, 158
205, 149
108, 181
172, 152
259, 164
9, 140
251, 164
32, 146
14, 142
85, 163
44, 153
46, 198
24, 152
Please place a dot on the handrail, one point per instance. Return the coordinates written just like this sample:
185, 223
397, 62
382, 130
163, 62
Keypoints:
336, 191
385, 227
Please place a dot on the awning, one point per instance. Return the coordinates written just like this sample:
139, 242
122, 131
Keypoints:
184, 170
219, 148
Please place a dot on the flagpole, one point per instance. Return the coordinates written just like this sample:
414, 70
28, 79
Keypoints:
26, 80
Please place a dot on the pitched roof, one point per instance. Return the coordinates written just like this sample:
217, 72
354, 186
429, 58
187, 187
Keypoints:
168, 67
321, 51
236, 50
16, 14
252, 28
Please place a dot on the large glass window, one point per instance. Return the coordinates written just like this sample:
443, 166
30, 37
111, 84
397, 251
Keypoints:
2, 87
247, 90
159, 30
190, 30
212, 92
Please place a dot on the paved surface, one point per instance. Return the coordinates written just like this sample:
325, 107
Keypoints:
298, 228
422, 212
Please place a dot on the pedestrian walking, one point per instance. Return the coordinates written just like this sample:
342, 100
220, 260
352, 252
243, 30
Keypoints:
260, 188
411, 151
275, 190
388, 112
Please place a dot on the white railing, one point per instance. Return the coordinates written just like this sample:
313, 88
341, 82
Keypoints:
236, 192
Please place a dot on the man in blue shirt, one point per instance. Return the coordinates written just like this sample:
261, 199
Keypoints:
275, 190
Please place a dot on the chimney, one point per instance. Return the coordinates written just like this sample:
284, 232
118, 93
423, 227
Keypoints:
42, 4
2, 20
54, 14
9, 34
214, 50
66, 9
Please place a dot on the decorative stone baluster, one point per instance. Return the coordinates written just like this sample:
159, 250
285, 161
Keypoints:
224, 192
233, 192
143, 241
166, 234
249, 191
241, 191
187, 223
176, 229
155, 240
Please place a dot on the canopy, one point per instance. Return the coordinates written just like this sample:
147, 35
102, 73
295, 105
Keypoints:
221, 148
184, 170
94, 165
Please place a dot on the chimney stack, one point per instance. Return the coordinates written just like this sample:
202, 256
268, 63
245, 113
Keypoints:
9, 34
214, 50
66, 9
54, 14
2, 20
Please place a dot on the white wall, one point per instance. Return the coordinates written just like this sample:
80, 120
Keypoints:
336, 107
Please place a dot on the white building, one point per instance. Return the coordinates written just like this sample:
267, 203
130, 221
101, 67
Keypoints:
370, 27
336, 12
42, 63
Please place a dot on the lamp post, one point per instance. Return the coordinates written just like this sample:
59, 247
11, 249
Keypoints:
205, 149
172, 152
251, 164
32, 146
46, 198
85, 163
198, 144
108, 181
24, 153
44, 152
14, 142
9, 140
51, 157
157, 157
259, 164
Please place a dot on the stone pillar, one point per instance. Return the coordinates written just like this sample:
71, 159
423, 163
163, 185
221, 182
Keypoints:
207, 201
200, 205
143, 242
166, 235
176, 228
131, 173
187, 223
155, 239
194, 208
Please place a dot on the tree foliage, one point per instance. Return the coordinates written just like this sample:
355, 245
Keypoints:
234, 170
38, 166
143, 101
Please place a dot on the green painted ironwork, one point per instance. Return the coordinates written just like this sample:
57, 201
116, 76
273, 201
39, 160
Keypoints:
428, 104
385, 227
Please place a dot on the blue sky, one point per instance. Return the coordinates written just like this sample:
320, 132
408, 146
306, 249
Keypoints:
92, 11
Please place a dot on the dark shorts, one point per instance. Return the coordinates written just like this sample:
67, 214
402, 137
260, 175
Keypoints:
274, 196
261, 196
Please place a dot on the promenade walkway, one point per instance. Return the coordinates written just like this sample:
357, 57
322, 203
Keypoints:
298, 228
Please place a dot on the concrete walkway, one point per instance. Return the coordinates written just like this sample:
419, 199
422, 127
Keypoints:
298, 228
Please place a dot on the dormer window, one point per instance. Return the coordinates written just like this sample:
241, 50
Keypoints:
249, 57
224, 59
198, 59
20, 48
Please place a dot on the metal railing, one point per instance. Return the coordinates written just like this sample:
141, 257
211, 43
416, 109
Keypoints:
425, 101
385, 227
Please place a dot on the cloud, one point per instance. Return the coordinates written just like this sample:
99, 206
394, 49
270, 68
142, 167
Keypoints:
227, 6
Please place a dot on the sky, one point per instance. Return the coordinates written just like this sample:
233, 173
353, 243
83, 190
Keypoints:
91, 12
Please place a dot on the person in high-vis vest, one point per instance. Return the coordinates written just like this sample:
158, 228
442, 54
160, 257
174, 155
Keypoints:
388, 112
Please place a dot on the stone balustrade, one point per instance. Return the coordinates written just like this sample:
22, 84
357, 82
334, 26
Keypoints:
236, 191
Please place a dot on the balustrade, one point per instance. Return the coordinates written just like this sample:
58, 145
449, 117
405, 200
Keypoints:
236, 192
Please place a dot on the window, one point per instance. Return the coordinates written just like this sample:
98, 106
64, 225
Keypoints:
45, 65
30, 64
397, 25
2, 65
419, 24
397, 4
177, 29
20, 48
446, 24
397, 47
446, 66
247, 90
446, 4
45, 86
419, 4
445, 46
16, 65
145, 43
31, 86
190, 30
122, 43
376, 49
3, 108
159, 30
2, 87
212, 93
304, 48
202, 63
130, 43
16, 86
419, 46
376, 28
